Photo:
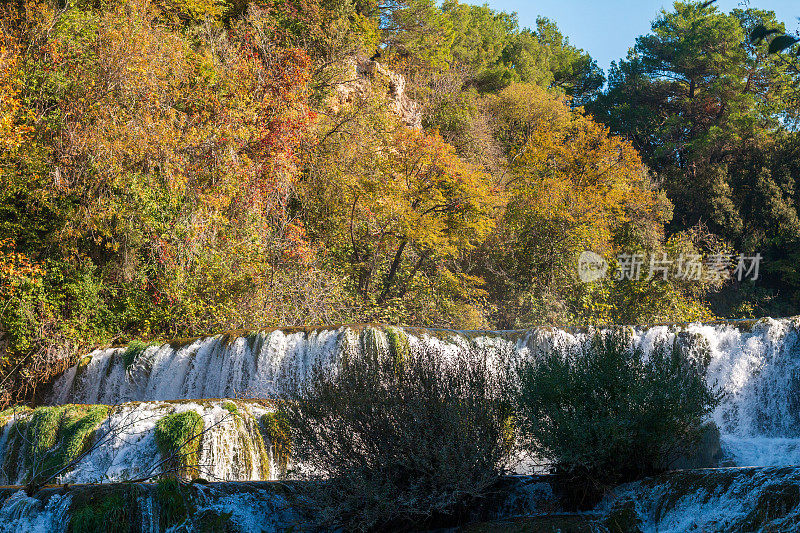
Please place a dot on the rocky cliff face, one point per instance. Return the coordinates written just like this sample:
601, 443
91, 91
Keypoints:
365, 77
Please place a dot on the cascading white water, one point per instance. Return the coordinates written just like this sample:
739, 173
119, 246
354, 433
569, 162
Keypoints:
756, 365
231, 446
209, 367
757, 368
21, 512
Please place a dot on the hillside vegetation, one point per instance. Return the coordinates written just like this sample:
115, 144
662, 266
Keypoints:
179, 167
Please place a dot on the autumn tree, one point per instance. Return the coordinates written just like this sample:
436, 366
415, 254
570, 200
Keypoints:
148, 188
398, 208
571, 187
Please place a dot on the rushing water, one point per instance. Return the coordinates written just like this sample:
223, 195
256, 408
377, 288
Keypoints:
241, 507
231, 448
756, 364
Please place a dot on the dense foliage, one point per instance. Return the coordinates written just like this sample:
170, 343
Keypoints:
177, 167
401, 441
714, 114
607, 412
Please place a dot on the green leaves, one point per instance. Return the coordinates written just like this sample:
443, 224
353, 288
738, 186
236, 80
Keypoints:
760, 32
606, 412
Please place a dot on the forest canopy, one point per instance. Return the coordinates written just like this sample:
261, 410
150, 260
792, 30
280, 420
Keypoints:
173, 168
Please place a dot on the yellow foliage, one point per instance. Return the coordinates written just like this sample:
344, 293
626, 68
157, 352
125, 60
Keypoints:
568, 173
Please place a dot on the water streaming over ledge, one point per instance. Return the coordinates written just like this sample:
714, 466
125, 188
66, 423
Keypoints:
232, 446
755, 363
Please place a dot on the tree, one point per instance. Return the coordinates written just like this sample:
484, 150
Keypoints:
606, 412
147, 181
571, 187
397, 207
707, 108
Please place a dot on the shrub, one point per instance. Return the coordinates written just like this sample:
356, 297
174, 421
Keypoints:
398, 445
178, 439
606, 412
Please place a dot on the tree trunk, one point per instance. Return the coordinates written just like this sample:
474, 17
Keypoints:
398, 258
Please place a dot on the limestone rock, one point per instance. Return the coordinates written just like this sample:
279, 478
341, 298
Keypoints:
370, 77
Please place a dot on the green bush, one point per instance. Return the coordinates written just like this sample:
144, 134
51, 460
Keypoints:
178, 439
607, 412
417, 444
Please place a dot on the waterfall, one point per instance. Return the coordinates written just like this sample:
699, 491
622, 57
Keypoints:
114, 399
138, 507
20, 512
756, 364
123, 446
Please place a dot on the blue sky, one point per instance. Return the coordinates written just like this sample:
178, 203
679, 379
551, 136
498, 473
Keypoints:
607, 28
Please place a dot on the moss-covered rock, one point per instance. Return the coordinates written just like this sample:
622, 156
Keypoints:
399, 347
178, 436
109, 509
133, 351
278, 433
44, 441
231, 407
174, 502
557, 523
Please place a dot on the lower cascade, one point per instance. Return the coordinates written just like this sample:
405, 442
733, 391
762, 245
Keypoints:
727, 499
756, 364
115, 416
98, 443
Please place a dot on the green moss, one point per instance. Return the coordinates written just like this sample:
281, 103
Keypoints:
107, 510
210, 521
623, 518
55, 436
181, 342
277, 430
176, 505
82, 365
231, 407
134, 350
42, 429
7, 415
11, 464
177, 437
399, 347
174, 502
558, 523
